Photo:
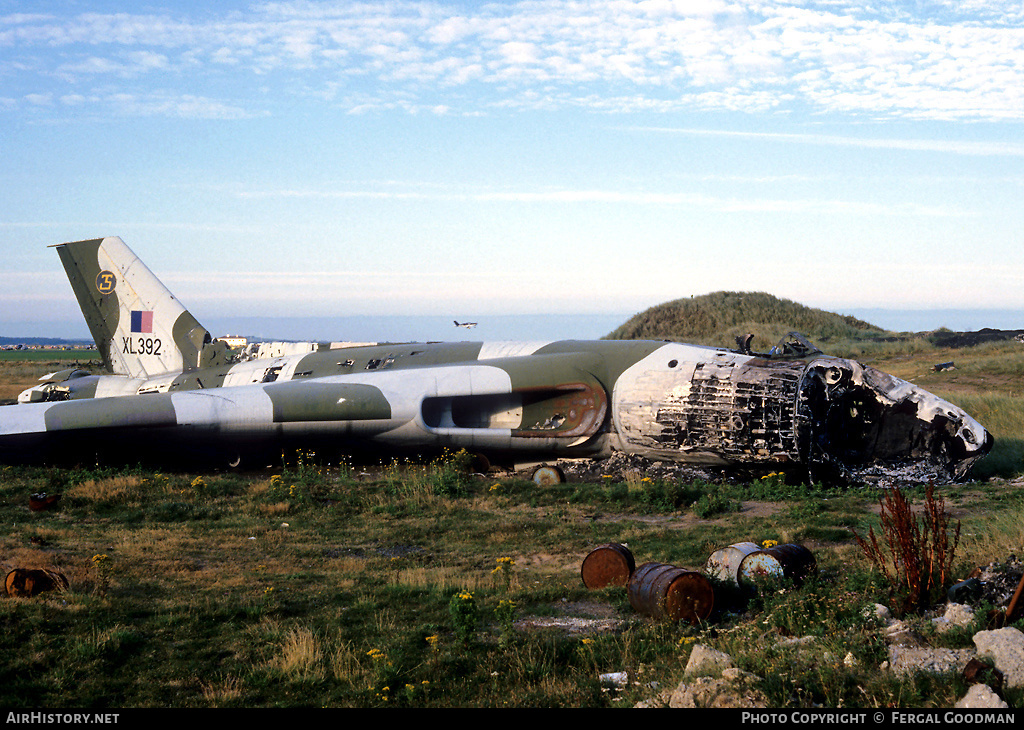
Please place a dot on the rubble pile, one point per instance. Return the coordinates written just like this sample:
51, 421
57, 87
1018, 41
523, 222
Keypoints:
897, 475
619, 466
997, 582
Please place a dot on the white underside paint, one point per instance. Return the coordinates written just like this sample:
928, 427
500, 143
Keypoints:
494, 350
23, 418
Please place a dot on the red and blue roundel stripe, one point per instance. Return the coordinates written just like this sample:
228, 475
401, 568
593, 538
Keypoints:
142, 321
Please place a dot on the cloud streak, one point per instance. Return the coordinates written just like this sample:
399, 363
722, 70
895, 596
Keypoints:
959, 147
620, 197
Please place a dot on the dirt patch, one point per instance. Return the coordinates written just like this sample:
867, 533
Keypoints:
575, 618
686, 520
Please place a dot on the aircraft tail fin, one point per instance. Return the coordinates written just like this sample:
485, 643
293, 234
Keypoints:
139, 327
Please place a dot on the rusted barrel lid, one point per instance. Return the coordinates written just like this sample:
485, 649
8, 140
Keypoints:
782, 561
607, 565
27, 582
724, 564
669, 592
42, 501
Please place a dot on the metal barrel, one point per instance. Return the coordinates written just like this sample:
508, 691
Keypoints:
782, 561
724, 564
26, 582
607, 565
42, 501
665, 591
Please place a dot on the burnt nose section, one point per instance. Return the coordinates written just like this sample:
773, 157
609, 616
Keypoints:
971, 451
858, 421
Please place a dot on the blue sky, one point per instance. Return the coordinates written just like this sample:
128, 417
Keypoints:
469, 159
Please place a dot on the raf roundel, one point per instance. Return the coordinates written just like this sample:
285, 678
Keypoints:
105, 281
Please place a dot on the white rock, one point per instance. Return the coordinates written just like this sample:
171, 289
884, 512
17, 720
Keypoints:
707, 661
615, 679
980, 696
956, 615
1006, 647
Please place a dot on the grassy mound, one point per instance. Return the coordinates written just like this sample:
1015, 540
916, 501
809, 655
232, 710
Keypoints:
718, 318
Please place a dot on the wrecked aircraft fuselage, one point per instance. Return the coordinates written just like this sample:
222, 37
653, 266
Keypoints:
831, 415
176, 394
823, 418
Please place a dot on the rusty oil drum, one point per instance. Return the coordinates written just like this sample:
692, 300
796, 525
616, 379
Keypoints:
782, 561
607, 565
665, 591
725, 564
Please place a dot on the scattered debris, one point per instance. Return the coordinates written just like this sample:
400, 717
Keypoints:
978, 672
621, 467
42, 501
998, 582
28, 582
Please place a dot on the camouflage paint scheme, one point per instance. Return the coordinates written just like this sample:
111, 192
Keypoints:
176, 392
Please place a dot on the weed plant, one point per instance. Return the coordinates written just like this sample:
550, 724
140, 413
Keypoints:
714, 503
916, 555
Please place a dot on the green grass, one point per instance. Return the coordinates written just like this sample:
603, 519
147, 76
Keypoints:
316, 586
80, 355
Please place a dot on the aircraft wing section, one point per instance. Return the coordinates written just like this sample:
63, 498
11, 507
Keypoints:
315, 400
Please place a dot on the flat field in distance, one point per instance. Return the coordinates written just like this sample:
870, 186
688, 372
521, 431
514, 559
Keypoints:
21, 369
320, 584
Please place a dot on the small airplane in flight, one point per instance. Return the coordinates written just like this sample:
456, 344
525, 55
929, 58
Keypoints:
175, 392
466, 325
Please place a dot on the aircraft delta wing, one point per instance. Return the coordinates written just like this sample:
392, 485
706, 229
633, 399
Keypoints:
176, 393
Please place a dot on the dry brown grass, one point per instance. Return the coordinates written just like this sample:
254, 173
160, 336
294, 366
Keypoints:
222, 691
301, 655
442, 578
121, 489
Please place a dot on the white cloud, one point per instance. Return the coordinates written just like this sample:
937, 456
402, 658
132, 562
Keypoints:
935, 60
184, 106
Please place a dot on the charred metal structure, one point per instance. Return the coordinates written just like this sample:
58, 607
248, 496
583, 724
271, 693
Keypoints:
795, 406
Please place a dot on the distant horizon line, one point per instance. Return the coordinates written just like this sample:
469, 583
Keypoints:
412, 327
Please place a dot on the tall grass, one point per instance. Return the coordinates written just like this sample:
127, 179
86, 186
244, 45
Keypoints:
1003, 416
